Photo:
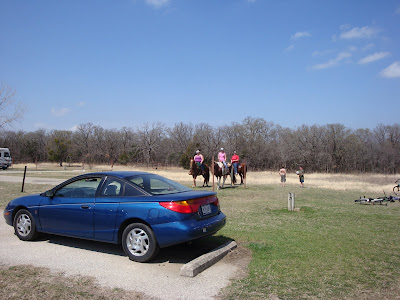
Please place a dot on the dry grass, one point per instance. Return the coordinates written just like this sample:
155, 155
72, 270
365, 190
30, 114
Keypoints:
28, 282
368, 183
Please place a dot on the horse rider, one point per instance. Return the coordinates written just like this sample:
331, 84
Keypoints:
235, 162
199, 159
222, 157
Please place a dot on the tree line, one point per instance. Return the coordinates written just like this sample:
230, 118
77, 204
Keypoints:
263, 145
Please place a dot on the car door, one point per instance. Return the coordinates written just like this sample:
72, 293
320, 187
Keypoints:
107, 203
70, 211
106, 207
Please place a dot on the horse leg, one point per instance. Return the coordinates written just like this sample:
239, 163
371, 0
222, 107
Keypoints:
194, 181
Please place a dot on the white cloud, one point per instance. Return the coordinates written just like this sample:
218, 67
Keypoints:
333, 62
353, 48
157, 3
373, 57
323, 53
74, 128
367, 47
299, 35
60, 112
81, 103
360, 33
393, 71
290, 48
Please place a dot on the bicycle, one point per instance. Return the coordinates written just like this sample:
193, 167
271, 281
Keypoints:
396, 188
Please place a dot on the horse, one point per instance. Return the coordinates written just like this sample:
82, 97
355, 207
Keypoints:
242, 170
221, 172
196, 171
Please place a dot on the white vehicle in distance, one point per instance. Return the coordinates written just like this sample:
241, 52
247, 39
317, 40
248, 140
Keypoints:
5, 158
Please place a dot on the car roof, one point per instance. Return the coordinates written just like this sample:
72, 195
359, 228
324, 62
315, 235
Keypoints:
119, 174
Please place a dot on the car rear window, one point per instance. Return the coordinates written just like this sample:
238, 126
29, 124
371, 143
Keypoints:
157, 185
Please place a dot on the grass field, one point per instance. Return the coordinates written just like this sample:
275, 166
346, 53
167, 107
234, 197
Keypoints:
331, 249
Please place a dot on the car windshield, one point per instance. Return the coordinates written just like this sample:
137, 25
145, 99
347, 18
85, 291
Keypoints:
157, 185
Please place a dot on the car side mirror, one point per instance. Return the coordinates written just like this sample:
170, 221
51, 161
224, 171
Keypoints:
49, 193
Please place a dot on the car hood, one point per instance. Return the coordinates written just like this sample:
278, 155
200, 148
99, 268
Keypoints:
31, 200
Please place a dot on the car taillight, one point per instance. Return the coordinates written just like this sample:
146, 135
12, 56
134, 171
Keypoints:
189, 206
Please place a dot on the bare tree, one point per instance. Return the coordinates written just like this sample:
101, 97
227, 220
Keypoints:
10, 111
150, 138
83, 143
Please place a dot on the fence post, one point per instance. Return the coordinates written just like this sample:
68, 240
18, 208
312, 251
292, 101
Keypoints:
23, 181
291, 200
212, 170
245, 173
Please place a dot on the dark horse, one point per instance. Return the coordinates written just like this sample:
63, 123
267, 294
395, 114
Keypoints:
196, 171
220, 172
242, 170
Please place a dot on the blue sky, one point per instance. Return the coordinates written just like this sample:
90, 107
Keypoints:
128, 62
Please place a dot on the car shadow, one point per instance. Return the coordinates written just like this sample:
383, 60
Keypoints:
179, 254
94, 246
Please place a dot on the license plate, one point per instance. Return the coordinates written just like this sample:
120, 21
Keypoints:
206, 209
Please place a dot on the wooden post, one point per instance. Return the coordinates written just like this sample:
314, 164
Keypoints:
232, 174
23, 181
291, 201
245, 173
212, 172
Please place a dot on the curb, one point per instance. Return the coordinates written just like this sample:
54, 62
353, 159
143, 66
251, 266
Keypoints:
198, 265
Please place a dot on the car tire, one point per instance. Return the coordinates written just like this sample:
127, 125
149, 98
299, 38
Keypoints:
24, 225
139, 242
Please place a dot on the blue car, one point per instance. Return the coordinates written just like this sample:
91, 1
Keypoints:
141, 211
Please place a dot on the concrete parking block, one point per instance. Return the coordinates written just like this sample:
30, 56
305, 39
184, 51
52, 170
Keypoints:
198, 265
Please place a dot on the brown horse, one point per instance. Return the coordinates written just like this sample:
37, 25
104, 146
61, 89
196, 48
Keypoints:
220, 172
242, 170
196, 171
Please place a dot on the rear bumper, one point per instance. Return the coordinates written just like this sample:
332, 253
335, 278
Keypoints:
168, 234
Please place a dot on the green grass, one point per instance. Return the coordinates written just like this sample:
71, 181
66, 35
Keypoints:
9, 191
331, 249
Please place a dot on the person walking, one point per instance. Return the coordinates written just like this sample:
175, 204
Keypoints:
300, 173
282, 172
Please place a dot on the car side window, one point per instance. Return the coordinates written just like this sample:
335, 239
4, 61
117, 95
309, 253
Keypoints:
131, 191
82, 188
111, 188
138, 180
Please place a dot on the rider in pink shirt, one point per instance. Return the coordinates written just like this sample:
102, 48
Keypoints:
222, 157
199, 159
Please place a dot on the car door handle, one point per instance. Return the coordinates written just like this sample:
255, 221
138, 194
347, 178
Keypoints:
85, 207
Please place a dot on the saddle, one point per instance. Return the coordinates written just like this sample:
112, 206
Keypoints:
222, 166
